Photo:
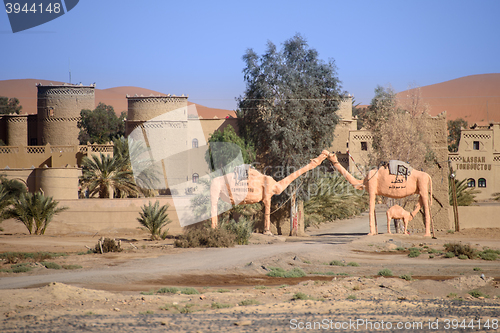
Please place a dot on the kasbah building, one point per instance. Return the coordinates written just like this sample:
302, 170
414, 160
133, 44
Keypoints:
43, 152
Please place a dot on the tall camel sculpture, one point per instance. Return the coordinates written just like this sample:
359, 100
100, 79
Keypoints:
397, 212
248, 186
381, 182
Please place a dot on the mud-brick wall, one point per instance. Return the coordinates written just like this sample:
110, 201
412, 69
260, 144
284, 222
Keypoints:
436, 129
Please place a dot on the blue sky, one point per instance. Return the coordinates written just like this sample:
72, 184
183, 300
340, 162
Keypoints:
196, 47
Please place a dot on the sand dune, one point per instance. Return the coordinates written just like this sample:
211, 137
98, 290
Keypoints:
25, 90
475, 98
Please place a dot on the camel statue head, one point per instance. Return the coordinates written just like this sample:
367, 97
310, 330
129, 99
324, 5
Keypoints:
333, 158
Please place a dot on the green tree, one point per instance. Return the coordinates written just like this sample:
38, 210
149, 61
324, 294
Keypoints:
223, 154
154, 218
105, 175
454, 132
397, 129
35, 211
288, 110
9, 105
100, 125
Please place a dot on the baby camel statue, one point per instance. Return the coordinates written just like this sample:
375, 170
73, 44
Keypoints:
381, 182
251, 186
397, 212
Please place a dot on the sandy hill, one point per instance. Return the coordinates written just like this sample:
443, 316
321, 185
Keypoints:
25, 90
475, 98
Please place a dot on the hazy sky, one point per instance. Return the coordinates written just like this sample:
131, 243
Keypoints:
196, 47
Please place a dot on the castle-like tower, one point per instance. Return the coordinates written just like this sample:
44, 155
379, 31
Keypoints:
58, 112
16, 129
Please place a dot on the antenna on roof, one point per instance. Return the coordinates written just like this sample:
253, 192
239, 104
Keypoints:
69, 66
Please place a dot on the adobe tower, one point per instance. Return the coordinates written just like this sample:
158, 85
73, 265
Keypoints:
58, 112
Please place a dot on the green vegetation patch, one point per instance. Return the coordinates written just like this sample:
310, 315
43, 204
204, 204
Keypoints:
280, 272
50, 265
477, 294
249, 302
336, 263
15, 257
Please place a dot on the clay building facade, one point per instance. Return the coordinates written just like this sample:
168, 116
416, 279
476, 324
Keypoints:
478, 159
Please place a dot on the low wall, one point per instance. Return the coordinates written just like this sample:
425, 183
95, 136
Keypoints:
477, 216
106, 217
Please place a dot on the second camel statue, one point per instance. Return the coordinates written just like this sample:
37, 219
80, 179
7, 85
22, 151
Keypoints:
250, 186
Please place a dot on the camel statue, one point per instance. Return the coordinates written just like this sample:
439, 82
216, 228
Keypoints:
381, 182
248, 186
397, 212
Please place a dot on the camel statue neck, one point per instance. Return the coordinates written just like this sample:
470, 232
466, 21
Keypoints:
283, 184
353, 181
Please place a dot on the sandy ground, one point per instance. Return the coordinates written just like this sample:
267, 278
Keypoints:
117, 291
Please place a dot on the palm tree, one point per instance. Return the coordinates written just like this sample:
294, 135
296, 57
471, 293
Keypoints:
465, 195
35, 211
136, 158
9, 190
154, 218
104, 175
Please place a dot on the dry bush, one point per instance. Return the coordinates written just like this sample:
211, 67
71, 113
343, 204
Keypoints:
107, 245
461, 249
206, 236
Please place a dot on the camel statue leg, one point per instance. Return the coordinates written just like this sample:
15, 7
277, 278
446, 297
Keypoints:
389, 218
267, 216
424, 202
372, 214
214, 199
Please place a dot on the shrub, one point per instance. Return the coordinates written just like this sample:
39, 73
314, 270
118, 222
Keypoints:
71, 266
50, 265
385, 272
242, 229
399, 248
107, 245
458, 249
336, 263
189, 291
489, 254
463, 257
206, 236
449, 255
406, 277
300, 296
477, 269
154, 218
168, 290
414, 253
353, 297
353, 264
249, 302
477, 294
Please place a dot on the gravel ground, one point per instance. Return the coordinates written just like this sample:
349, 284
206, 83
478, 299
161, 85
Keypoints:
418, 316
